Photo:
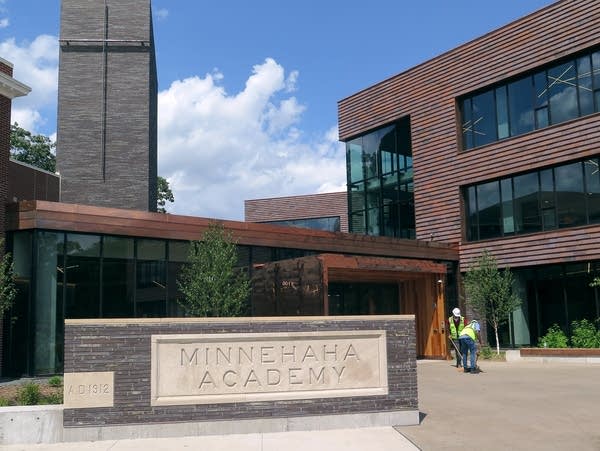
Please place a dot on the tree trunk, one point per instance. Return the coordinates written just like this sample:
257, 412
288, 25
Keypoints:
497, 341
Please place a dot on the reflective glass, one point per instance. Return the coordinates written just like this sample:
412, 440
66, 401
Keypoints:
83, 245
467, 123
584, 84
151, 283
547, 204
563, 93
596, 76
484, 119
48, 326
118, 287
541, 99
117, 247
570, 197
373, 222
502, 112
520, 106
508, 219
526, 205
355, 166
370, 148
82, 276
488, 206
592, 188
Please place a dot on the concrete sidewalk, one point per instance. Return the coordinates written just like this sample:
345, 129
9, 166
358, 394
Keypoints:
516, 406
381, 438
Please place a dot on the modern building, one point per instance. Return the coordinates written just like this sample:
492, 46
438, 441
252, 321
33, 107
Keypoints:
9, 89
107, 104
327, 211
493, 146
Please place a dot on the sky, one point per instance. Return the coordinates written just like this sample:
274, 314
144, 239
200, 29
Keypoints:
248, 90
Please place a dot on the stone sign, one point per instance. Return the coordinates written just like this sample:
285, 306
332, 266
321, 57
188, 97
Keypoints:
227, 368
89, 389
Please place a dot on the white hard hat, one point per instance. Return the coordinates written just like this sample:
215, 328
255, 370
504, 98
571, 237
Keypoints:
456, 311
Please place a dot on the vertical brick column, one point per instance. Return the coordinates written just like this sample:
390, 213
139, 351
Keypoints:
5, 105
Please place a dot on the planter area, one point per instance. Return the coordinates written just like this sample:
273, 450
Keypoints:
555, 355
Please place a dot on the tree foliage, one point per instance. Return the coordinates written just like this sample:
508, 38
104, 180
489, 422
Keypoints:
8, 291
36, 150
209, 281
489, 291
595, 282
164, 194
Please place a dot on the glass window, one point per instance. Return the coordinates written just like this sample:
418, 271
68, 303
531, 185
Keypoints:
151, 283
526, 193
488, 203
570, 197
541, 99
484, 119
502, 112
547, 203
48, 311
117, 247
118, 277
592, 185
508, 219
562, 93
596, 78
370, 148
82, 276
355, 166
584, 84
467, 123
520, 106
471, 207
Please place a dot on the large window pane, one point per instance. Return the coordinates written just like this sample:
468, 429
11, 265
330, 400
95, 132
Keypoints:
584, 83
82, 276
488, 203
118, 277
151, 283
48, 313
471, 211
526, 205
547, 203
596, 77
562, 93
592, 188
502, 112
520, 108
355, 166
551, 300
570, 196
484, 119
508, 215
541, 99
466, 114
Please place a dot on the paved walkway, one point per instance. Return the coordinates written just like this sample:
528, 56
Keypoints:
515, 406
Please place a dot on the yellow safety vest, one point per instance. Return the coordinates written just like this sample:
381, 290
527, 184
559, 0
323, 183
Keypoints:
469, 332
461, 325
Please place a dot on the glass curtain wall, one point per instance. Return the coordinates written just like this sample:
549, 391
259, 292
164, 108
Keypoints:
553, 94
550, 294
151, 279
559, 197
380, 175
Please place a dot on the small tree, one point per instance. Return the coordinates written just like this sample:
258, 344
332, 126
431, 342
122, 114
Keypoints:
490, 292
163, 195
210, 283
595, 282
8, 291
36, 150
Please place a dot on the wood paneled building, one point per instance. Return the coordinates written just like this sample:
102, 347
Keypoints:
502, 137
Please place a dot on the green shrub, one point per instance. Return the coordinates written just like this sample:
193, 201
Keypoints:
55, 381
487, 353
585, 334
29, 394
52, 398
4, 402
554, 338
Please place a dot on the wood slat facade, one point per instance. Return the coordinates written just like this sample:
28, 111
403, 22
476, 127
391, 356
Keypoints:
428, 93
100, 220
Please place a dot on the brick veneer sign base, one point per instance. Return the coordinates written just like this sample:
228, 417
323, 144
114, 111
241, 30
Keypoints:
171, 377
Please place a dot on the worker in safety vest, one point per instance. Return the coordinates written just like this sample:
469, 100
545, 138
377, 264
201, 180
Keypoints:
467, 339
456, 324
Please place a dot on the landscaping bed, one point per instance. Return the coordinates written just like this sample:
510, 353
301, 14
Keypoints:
21, 393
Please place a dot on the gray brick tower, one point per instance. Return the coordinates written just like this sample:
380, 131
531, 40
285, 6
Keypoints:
107, 102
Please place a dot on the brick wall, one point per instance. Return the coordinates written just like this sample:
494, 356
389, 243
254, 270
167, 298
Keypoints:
299, 207
5, 107
106, 136
125, 349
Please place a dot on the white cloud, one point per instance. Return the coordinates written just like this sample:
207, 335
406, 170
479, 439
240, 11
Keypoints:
4, 22
161, 13
36, 65
217, 149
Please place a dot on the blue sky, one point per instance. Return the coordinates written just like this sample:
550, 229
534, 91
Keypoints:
249, 89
